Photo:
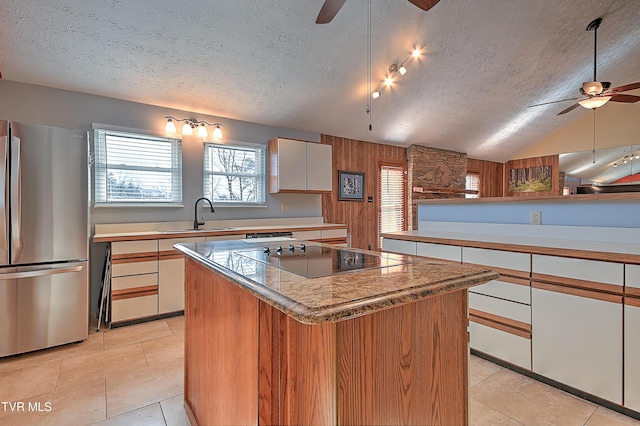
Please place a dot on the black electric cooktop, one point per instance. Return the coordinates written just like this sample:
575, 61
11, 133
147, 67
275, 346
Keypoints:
316, 261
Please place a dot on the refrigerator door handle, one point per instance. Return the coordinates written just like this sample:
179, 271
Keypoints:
16, 199
40, 272
4, 212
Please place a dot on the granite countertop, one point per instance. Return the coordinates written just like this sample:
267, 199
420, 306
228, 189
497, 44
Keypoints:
341, 296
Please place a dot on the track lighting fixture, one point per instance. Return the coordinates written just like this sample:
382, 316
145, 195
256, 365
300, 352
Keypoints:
396, 69
190, 124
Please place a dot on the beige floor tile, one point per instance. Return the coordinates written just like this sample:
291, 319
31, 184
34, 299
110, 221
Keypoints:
9, 363
474, 380
127, 391
169, 349
174, 412
531, 402
73, 405
136, 333
91, 345
482, 368
606, 417
22, 383
78, 369
151, 415
481, 415
176, 324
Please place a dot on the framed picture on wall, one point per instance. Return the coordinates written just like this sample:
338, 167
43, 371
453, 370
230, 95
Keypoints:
350, 186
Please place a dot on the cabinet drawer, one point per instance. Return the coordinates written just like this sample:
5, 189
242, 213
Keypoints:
632, 276
503, 308
632, 355
579, 269
134, 268
440, 251
135, 307
125, 247
334, 233
307, 235
133, 281
166, 245
505, 290
500, 259
399, 246
506, 346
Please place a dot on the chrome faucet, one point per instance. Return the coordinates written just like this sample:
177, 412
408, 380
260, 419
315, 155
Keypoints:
196, 222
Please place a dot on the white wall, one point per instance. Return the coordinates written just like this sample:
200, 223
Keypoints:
47, 106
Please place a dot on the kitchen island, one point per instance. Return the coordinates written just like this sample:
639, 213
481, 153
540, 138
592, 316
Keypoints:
314, 334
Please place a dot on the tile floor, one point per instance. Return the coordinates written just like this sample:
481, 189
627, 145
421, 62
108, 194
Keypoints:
134, 376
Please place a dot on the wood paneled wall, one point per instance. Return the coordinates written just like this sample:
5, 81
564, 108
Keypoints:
491, 175
361, 217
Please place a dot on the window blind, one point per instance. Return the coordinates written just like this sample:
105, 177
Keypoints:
472, 183
392, 200
234, 175
135, 168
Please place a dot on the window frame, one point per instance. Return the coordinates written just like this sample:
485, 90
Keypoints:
476, 177
395, 165
101, 168
260, 175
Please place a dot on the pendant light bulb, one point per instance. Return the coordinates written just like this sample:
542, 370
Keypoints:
202, 131
170, 126
217, 132
375, 95
415, 53
388, 81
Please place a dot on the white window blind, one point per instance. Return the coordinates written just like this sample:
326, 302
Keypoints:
133, 168
392, 200
234, 175
472, 183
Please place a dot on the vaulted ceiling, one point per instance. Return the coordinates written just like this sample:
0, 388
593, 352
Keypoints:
266, 61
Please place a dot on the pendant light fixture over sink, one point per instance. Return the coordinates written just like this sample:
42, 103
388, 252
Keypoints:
190, 124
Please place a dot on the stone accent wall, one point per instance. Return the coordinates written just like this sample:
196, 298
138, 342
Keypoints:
439, 172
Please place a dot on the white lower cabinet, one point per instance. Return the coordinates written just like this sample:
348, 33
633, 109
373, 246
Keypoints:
170, 285
632, 357
578, 341
500, 344
399, 246
440, 251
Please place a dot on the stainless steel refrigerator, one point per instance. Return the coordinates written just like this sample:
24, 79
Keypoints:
44, 237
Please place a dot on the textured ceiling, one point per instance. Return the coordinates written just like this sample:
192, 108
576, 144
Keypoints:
483, 63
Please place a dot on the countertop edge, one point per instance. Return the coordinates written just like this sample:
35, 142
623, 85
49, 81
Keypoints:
310, 316
162, 235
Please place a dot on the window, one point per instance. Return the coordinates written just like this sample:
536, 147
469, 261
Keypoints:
234, 175
392, 200
138, 169
472, 183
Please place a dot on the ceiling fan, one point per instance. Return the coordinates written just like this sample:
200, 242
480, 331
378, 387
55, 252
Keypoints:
330, 8
597, 93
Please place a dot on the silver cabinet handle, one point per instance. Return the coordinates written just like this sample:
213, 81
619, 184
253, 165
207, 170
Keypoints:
40, 272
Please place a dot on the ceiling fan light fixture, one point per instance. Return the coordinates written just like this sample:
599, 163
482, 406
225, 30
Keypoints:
592, 87
594, 102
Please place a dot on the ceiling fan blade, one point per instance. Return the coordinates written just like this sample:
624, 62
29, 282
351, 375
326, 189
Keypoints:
329, 10
625, 88
571, 108
553, 102
425, 4
628, 99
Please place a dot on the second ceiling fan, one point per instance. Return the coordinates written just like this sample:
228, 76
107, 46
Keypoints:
597, 93
330, 8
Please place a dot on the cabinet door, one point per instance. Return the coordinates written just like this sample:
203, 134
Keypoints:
170, 285
292, 165
440, 251
631, 357
319, 167
578, 341
399, 246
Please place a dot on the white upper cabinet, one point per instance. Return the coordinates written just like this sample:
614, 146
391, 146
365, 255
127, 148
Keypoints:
298, 166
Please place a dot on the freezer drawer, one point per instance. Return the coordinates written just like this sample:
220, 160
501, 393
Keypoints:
43, 306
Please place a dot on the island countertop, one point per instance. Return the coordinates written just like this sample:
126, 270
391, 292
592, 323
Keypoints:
340, 296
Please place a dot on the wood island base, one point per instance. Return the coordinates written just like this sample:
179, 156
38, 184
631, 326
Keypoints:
247, 362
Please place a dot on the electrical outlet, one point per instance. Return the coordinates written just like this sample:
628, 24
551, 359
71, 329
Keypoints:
536, 218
